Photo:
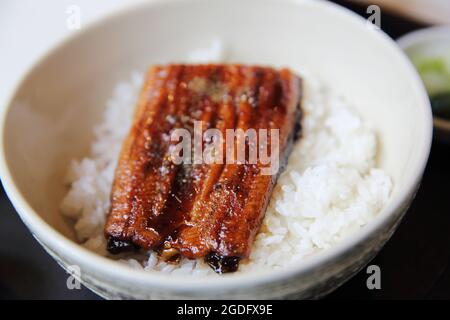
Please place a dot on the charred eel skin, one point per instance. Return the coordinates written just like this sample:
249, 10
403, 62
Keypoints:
209, 210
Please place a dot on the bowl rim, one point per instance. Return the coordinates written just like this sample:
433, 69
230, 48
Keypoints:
111, 269
434, 33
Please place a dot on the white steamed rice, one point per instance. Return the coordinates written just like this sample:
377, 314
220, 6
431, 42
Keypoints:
330, 188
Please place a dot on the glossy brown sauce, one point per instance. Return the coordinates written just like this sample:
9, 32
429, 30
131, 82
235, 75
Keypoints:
199, 210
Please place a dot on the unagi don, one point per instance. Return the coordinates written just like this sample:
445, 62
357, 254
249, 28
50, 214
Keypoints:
200, 210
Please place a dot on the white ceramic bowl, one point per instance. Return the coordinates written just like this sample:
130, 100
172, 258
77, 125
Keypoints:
65, 93
430, 37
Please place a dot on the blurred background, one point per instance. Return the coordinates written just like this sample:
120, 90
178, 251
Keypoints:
415, 263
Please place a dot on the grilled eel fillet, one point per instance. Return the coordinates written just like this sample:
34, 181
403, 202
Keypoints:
199, 210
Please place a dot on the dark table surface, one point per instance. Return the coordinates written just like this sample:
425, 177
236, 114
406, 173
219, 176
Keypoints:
415, 263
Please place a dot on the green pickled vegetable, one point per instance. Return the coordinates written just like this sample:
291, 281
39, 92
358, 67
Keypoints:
433, 64
435, 74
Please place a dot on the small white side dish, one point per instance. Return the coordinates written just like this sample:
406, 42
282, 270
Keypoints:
51, 113
432, 41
